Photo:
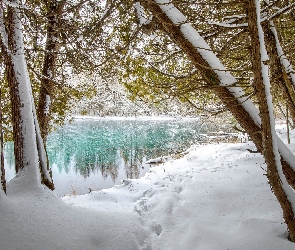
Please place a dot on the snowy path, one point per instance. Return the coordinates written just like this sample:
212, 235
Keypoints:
214, 198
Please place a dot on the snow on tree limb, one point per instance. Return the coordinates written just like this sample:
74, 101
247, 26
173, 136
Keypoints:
225, 77
141, 14
277, 13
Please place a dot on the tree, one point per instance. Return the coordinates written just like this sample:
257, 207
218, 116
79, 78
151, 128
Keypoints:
214, 74
270, 151
78, 49
2, 170
281, 72
49, 64
29, 147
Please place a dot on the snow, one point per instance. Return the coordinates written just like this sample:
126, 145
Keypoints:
30, 173
40, 143
158, 160
3, 33
229, 24
172, 12
141, 14
216, 197
279, 12
47, 105
80, 38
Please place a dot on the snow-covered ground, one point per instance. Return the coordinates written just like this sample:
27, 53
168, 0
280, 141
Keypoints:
215, 197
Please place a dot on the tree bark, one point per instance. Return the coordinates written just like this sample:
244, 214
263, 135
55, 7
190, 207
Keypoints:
278, 75
268, 142
48, 72
2, 170
18, 138
232, 103
27, 144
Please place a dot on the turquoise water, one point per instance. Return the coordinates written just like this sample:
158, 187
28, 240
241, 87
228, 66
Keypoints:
94, 154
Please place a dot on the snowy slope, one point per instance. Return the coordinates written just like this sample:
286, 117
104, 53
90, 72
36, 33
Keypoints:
41, 221
214, 198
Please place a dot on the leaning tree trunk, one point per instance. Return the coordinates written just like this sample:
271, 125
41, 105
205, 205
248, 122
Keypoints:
233, 97
286, 64
28, 146
277, 71
287, 68
262, 88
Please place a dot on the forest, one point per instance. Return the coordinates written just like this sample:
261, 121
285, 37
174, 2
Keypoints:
183, 57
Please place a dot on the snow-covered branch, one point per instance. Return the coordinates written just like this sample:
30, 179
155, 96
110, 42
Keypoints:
141, 14
284, 61
229, 24
277, 13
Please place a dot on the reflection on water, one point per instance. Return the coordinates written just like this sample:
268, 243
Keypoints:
94, 154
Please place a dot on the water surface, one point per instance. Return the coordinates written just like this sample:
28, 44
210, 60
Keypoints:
90, 154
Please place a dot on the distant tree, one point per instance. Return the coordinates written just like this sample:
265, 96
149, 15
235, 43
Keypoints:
97, 35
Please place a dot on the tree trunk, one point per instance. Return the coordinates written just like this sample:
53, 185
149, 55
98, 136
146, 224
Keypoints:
47, 85
2, 170
262, 88
288, 124
25, 125
288, 71
277, 72
18, 138
286, 64
48, 71
232, 98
